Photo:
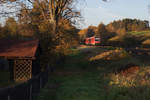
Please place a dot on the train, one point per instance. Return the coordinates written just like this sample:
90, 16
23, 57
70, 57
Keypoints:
93, 40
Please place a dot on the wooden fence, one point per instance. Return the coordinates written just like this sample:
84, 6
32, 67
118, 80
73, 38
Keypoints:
27, 90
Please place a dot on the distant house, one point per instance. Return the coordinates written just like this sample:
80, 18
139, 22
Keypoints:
23, 57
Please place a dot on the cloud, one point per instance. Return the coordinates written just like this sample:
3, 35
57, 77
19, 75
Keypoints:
106, 0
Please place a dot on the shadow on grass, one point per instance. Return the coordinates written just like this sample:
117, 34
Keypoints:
128, 93
5, 79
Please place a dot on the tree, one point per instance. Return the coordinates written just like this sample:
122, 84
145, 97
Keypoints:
102, 32
82, 34
91, 30
55, 10
1, 34
52, 22
11, 25
52, 10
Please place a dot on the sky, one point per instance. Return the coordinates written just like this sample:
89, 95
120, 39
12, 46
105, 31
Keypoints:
95, 12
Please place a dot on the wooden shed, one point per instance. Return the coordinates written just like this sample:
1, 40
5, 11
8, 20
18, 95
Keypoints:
22, 56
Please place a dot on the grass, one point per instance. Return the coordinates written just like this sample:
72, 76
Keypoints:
82, 79
5, 79
139, 33
80, 87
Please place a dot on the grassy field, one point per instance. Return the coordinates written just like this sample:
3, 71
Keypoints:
140, 32
92, 74
144, 36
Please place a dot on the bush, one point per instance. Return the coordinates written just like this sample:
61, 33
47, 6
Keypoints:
129, 41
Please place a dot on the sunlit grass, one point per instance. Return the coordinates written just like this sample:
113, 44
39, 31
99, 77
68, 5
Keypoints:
139, 32
116, 54
146, 42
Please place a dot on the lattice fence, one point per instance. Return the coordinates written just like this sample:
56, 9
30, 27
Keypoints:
22, 70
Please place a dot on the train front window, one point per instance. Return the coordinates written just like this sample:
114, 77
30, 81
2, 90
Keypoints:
97, 39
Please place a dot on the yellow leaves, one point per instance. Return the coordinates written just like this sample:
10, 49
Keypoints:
121, 81
82, 32
45, 27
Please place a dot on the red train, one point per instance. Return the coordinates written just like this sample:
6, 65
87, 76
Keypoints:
92, 41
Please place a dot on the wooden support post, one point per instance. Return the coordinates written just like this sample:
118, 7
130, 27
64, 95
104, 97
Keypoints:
11, 69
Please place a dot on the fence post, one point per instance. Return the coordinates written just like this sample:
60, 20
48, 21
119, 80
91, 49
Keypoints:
8, 97
40, 82
30, 92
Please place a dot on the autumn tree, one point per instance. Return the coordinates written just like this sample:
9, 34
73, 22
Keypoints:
82, 34
1, 33
102, 32
11, 25
53, 11
91, 30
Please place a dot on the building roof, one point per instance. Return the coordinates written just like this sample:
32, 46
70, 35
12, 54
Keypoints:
18, 48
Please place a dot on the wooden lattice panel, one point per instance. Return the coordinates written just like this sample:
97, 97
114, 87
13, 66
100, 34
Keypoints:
22, 70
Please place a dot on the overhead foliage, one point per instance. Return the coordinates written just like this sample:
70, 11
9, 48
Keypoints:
53, 11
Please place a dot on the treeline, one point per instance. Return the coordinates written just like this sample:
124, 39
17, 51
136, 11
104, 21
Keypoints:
12, 29
128, 25
116, 33
19, 29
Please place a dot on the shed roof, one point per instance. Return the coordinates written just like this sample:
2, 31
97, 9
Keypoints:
18, 48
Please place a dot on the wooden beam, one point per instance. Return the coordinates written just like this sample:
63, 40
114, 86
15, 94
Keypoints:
11, 57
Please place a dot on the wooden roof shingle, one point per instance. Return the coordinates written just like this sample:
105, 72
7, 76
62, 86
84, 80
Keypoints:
18, 48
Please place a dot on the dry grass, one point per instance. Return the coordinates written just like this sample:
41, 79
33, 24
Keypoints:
146, 42
115, 38
139, 77
110, 55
